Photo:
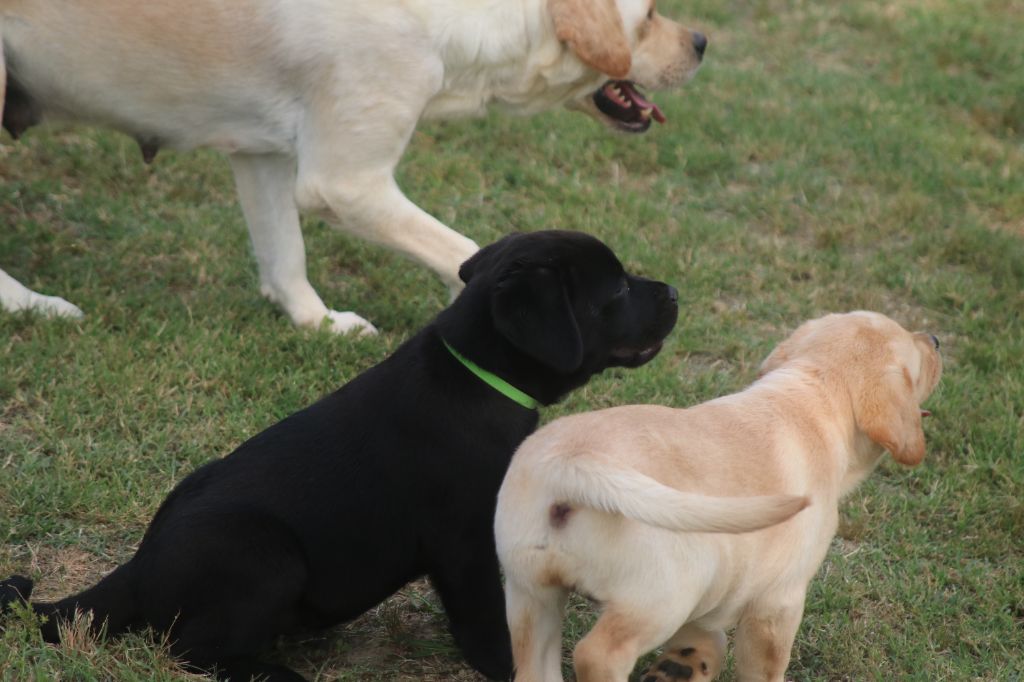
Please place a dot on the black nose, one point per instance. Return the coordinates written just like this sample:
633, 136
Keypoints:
673, 295
700, 43
935, 341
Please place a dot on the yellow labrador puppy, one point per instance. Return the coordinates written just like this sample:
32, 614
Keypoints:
314, 101
616, 505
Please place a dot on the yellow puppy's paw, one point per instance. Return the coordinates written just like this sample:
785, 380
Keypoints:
679, 665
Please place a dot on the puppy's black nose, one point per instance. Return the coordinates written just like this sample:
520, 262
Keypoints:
700, 43
935, 341
673, 295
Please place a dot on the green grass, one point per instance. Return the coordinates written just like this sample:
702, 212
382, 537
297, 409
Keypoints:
830, 156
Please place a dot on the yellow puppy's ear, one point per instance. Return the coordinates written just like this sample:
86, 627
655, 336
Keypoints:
593, 31
777, 358
888, 414
788, 348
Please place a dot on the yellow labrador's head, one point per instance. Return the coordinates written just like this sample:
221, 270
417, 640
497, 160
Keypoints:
637, 48
887, 370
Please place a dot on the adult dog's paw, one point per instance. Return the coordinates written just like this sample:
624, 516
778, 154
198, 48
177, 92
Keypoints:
348, 323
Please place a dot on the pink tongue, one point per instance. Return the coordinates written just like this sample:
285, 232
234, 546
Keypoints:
638, 99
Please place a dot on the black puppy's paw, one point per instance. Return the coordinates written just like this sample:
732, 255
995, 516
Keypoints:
17, 588
497, 668
492, 661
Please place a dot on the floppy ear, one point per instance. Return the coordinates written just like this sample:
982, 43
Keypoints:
888, 414
775, 359
784, 351
486, 257
593, 31
530, 308
470, 265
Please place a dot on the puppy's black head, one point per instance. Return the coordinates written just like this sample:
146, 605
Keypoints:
563, 308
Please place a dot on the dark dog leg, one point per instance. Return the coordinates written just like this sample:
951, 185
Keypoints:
20, 111
244, 669
15, 589
111, 602
227, 592
227, 638
471, 591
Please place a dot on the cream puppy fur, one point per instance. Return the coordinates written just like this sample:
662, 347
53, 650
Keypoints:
314, 101
616, 505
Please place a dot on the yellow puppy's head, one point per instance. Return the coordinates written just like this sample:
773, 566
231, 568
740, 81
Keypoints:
635, 47
887, 371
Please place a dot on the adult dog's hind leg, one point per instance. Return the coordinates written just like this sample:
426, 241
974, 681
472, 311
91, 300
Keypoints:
15, 296
266, 191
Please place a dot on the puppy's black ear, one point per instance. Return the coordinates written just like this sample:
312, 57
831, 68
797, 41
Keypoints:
530, 308
470, 265
486, 257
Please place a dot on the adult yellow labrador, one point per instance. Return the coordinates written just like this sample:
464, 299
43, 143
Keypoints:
618, 504
314, 101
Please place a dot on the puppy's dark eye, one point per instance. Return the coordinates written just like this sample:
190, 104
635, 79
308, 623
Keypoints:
650, 14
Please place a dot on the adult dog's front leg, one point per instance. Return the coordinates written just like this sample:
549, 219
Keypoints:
266, 190
348, 150
374, 208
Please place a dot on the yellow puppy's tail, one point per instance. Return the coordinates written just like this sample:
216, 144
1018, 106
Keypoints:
641, 498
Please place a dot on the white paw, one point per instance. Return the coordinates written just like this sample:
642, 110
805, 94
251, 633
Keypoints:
346, 322
16, 296
54, 306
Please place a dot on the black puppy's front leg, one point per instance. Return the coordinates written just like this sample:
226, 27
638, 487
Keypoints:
469, 583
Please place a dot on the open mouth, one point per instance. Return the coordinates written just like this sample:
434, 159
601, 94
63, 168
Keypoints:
621, 102
633, 358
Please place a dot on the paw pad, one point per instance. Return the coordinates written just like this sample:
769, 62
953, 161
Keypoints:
678, 665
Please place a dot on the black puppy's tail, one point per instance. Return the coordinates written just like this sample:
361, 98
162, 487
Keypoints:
111, 600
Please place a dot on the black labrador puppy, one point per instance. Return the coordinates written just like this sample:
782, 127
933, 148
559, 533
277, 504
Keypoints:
328, 512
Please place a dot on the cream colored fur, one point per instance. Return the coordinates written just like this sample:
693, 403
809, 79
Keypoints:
315, 100
615, 504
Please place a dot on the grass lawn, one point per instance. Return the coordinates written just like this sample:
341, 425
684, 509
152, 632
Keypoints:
830, 156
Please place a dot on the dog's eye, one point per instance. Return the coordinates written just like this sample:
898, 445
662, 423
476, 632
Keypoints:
650, 14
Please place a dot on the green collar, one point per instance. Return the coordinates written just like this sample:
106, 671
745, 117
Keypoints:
493, 380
